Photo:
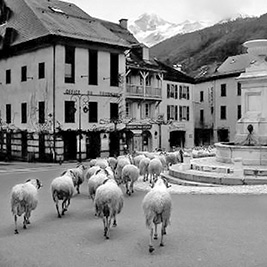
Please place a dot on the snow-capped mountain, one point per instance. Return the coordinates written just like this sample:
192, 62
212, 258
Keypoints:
150, 29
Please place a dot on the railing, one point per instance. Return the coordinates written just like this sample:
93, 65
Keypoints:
140, 91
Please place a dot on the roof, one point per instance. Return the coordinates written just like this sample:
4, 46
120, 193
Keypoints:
231, 67
33, 19
119, 31
236, 63
172, 74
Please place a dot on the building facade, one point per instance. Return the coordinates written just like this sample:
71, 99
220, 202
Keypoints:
217, 102
61, 88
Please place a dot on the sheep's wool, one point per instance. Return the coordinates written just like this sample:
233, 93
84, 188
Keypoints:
23, 196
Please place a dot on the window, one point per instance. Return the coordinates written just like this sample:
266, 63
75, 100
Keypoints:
239, 110
147, 110
69, 64
70, 111
223, 89
223, 112
114, 69
128, 109
41, 70
41, 112
168, 90
8, 76
24, 73
8, 113
201, 115
24, 113
201, 99
184, 92
184, 113
172, 91
93, 115
172, 112
93, 63
114, 111
238, 88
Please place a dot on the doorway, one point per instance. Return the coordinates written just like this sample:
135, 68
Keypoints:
70, 145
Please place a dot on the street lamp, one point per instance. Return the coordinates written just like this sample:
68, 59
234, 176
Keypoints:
83, 103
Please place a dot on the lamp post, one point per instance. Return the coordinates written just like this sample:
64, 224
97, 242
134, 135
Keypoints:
83, 102
160, 121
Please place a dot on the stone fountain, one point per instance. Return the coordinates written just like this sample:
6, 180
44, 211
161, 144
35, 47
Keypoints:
250, 142
244, 160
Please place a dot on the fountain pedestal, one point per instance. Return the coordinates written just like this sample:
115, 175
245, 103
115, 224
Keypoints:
254, 95
250, 142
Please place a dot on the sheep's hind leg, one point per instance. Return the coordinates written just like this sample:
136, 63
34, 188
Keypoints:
25, 222
151, 248
16, 226
105, 226
64, 208
114, 221
58, 213
163, 232
156, 232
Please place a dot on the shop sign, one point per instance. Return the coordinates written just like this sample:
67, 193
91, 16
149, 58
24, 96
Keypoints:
138, 126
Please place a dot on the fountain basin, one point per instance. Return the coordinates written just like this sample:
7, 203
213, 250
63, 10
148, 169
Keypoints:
251, 155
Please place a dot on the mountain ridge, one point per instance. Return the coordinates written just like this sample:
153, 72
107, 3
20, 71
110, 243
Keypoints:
210, 46
151, 29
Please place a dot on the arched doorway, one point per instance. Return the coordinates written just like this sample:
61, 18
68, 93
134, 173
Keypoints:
177, 139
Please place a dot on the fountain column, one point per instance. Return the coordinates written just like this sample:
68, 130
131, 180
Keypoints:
254, 96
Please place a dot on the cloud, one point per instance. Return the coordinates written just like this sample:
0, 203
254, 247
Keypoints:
215, 10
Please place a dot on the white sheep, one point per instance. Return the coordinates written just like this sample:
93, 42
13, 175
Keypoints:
154, 168
137, 159
172, 158
24, 199
96, 180
130, 173
112, 162
157, 209
79, 172
102, 163
143, 168
62, 188
91, 171
122, 161
108, 203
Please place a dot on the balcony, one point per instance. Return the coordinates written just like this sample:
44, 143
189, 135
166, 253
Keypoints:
139, 92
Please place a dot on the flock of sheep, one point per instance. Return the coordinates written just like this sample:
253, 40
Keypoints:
104, 177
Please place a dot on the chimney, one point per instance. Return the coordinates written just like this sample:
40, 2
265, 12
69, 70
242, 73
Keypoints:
123, 23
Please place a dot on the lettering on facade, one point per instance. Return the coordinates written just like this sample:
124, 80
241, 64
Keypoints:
72, 92
101, 93
138, 127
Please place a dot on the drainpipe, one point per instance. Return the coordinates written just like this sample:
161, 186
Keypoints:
54, 101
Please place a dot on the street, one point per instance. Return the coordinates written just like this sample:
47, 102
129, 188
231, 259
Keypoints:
205, 230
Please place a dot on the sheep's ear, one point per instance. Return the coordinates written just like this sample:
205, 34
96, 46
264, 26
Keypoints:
28, 180
39, 184
98, 171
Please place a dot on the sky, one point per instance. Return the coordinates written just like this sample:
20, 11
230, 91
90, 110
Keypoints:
175, 11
